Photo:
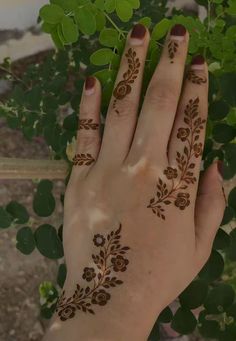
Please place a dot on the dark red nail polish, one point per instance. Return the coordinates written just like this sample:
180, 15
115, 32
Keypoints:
220, 165
178, 30
89, 83
198, 60
138, 31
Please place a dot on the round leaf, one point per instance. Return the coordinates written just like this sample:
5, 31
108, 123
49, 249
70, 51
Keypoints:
161, 29
223, 133
124, 10
184, 322
25, 240
101, 57
51, 14
18, 212
194, 295
228, 216
85, 20
48, 242
5, 218
109, 37
110, 5
222, 240
219, 299
218, 110
45, 186
69, 30
44, 204
61, 275
165, 316
213, 268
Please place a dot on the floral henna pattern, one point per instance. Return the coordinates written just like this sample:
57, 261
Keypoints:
110, 257
88, 124
176, 191
195, 79
124, 88
172, 49
83, 160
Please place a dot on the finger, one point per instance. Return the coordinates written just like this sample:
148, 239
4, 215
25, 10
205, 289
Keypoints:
188, 134
209, 209
161, 100
122, 113
88, 136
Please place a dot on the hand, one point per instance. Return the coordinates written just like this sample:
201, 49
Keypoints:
138, 227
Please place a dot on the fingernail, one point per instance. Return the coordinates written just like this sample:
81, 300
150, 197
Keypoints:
90, 85
198, 63
137, 35
220, 166
178, 32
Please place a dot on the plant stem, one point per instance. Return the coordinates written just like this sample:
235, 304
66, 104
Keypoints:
13, 76
114, 24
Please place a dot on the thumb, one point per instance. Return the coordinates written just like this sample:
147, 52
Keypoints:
210, 206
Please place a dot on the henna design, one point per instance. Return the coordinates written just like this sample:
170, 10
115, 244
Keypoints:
110, 257
195, 79
176, 192
88, 124
83, 160
124, 88
172, 49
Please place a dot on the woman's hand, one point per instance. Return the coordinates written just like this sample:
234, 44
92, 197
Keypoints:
138, 226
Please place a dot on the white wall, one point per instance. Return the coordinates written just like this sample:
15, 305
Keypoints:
19, 14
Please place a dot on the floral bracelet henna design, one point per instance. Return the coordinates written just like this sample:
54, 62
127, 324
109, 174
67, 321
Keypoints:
172, 49
124, 88
195, 79
88, 124
83, 160
176, 192
111, 257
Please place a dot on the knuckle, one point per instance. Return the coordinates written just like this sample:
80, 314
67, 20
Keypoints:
86, 141
165, 95
124, 109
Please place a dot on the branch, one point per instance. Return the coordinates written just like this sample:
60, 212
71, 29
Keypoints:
11, 168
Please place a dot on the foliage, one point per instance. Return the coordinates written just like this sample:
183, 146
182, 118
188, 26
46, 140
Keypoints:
91, 35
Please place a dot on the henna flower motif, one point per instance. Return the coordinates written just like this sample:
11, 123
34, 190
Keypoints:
99, 240
183, 134
171, 173
122, 90
89, 274
119, 263
182, 200
67, 313
198, 149
100, 297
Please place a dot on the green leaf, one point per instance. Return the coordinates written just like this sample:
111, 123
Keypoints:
57, 40
99, 4
85, 20
124, 10
232, 7
232, 247
18, 212
44, 202
160, 29
134, 3
51, 14
165, 316
146, 21
231, 117
230, 157
45, 186
67, 5
223, 133
222, 240
228, 216
194, 295
109, 37
25, 240
105, 76
219, 298
213, 268
47, 291
5, 218
100, 20
184, 322
101, 57
110, 6
71, 122
69, 30
61, 275
207, 326
218, 110
48, 242
232, 200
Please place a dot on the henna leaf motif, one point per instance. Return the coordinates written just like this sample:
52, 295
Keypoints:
88, 124
83, 160
195, 79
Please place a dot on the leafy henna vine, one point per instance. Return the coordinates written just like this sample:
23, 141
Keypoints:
88, 124
172, 49
124, 88
83, 160
176, 192
111, 257
195, 79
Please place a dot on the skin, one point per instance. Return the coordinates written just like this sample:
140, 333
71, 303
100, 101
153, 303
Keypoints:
165, 255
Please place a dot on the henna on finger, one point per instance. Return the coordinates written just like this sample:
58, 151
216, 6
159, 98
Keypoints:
83, 159
177, 35
124, 87
100, 279
198, 64
88, 124
177, 192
